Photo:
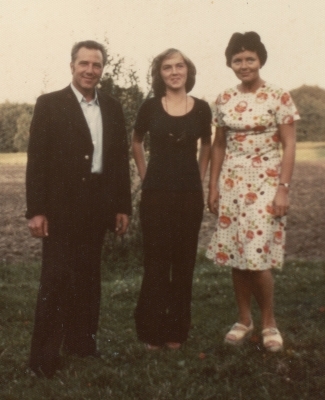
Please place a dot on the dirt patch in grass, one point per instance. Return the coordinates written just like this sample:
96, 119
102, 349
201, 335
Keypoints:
306, 222
16, 245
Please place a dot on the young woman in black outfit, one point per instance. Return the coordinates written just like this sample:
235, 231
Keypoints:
172, 199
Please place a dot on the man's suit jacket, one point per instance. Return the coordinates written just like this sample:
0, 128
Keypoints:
60, 158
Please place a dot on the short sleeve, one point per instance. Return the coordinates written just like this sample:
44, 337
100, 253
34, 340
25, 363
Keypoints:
206, 119
217, 115
141, 125
286, 111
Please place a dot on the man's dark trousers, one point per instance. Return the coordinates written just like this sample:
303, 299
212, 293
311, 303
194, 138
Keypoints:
68, 301
79, 206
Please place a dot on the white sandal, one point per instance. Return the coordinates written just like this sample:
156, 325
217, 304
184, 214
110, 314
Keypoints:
173, 345
239, 333
272, 339
151, 347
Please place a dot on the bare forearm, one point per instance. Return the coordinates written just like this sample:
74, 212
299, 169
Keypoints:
217, 157
204, 158
288, 139
139, 156
288, 160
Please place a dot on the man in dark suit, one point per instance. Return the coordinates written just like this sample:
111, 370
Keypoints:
78, 186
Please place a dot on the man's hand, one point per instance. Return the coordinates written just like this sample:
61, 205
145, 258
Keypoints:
38, 226
122, 223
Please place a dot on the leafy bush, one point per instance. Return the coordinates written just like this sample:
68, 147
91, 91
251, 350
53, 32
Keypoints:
123, 84
22, 133
14, 126
310, 101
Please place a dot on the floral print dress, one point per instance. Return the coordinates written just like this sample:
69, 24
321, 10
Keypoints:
247, 235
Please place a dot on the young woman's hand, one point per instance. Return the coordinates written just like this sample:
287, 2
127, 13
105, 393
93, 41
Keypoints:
213, 201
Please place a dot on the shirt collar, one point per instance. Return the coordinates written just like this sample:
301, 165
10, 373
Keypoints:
81, 98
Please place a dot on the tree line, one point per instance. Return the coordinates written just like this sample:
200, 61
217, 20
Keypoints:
310, 101
118, 81
122, 84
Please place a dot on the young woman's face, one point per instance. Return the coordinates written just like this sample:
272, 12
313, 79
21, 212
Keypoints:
173, 71
246, 65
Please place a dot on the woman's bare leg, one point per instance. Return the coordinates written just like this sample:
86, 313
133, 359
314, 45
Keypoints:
263, 288
243, 293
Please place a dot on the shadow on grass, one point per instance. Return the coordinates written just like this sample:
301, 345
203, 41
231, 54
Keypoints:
204, 368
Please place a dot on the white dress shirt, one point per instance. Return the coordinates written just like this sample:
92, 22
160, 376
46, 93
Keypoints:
93, 117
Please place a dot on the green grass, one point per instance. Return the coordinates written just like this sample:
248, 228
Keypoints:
204, 369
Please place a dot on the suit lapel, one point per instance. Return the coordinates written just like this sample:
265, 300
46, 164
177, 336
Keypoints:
76, 117
75, 114
107, 120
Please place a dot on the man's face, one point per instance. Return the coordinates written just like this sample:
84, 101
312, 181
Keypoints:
87, 70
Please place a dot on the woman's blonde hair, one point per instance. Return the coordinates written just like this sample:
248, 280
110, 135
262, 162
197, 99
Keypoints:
158, 85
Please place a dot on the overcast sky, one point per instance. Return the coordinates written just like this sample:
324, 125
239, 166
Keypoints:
37, 36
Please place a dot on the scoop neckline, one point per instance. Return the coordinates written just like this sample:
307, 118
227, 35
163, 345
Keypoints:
248, 93
177, 116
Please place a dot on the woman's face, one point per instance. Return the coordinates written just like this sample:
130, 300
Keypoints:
173, 71
246, 65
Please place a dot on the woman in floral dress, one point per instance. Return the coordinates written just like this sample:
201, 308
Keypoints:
249, 184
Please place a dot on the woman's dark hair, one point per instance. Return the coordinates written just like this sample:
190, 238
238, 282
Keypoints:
245, 41
158, 85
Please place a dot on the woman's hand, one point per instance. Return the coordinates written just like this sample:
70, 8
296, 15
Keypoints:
281, 202
213, 201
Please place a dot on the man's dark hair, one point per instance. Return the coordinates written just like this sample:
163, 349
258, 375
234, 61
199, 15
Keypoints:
89, 44
245, 41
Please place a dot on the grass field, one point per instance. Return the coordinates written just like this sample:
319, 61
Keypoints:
13, 158
204, 369
310, 151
